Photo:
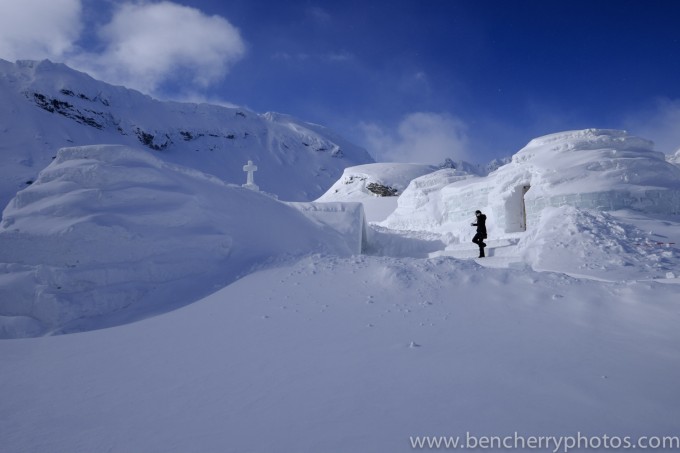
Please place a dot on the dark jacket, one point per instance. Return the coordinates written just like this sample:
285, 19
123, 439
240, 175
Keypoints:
481, 224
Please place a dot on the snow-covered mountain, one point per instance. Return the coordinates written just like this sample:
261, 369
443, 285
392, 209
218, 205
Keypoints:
46, 106
674, 158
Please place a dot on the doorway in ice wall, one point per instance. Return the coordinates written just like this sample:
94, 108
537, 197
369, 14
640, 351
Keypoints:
515, 210
523, 209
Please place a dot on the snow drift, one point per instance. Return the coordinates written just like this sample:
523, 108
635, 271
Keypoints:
110, 234
610, 246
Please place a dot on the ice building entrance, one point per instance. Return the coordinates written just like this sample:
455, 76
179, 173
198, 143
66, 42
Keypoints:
515, 210
523, 209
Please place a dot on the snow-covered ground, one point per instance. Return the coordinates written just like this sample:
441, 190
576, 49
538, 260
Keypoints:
229, 321
356, 354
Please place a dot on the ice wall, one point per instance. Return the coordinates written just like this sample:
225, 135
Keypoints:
425, 204
598, 169
347, 219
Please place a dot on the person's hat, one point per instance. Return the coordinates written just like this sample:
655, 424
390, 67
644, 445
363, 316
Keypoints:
478, 212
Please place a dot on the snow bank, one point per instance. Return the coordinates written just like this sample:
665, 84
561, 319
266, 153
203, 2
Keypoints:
110, 234
594, 169
599, 245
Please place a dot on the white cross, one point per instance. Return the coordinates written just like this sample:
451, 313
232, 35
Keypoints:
250, 179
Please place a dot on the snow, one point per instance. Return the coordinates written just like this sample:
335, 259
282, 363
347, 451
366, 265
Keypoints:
612, 246
111, 234
174, 310
314, 355
595, 160
422, 206
352, 186
348, 219
675, 158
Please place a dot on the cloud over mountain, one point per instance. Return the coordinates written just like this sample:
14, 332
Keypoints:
142, 46
38, 29
419, 137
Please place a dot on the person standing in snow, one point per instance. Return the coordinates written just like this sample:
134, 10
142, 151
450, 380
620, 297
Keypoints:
481, 232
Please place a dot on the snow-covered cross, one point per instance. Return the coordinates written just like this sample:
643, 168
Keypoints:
250, 179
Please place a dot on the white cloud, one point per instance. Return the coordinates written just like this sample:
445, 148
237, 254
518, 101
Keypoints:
200, 98
331, 57
148, 44
660, 124
144, 45
318, 15
421, 137
339, 57
38, 29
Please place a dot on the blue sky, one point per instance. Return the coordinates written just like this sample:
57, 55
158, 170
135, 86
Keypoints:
410, 80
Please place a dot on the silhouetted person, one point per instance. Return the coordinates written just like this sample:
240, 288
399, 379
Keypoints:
481, 232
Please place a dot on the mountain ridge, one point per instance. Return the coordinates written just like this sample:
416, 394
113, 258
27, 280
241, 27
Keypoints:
46, 106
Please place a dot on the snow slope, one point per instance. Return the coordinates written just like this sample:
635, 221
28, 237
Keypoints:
46, 106
111, 234
357, 354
